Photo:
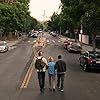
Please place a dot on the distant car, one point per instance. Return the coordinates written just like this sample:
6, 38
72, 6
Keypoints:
53, 34
74, 46
90, 60
35, 35
66, 43
36, 32
3, 46
29, 34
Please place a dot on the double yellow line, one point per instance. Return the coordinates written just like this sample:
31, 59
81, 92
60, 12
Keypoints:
27, 77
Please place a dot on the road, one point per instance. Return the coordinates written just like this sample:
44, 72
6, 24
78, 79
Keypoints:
13, 65
79, 85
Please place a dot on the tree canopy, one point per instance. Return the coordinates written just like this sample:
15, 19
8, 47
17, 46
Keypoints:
77, 12
16, 17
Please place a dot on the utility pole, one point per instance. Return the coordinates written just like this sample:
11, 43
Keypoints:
81, 31
43, 22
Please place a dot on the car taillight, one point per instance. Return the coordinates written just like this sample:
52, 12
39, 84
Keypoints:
89, 60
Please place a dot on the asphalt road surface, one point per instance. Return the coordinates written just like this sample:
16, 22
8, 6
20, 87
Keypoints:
79, 85
13, 65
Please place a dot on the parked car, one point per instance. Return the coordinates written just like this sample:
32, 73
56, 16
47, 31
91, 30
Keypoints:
53, 34
3, 46
66, 43
34, 35
74, 46
90, 60
29, 34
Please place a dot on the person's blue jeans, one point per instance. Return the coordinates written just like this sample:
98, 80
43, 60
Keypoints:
41, 78
60, 81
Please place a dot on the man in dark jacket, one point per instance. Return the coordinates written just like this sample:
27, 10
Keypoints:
61, 70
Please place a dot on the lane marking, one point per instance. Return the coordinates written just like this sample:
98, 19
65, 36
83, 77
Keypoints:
27, 76
48, 41
59, 41
53, 41
34, 41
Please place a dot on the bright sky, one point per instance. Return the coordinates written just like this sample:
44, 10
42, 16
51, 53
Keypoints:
38, 7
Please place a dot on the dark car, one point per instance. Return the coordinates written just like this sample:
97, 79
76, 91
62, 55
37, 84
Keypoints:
74, 46
90, 60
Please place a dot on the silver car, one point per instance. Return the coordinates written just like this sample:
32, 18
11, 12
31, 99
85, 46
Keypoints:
74, 46
3, 46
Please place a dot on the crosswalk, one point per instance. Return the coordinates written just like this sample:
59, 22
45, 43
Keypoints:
31, 42
48, 41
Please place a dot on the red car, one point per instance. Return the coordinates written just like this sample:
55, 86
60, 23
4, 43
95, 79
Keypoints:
66, 43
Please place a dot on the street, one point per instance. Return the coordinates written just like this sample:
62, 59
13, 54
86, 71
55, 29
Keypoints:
79, 85
13, 65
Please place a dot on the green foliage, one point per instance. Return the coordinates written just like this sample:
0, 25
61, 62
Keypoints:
16, 17
85, 11
75, 12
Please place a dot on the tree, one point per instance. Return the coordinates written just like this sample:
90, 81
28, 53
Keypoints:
16, 17
87, 11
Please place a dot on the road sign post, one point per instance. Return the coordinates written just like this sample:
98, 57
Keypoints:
81, 31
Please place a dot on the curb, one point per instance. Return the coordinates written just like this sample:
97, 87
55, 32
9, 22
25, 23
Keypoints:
87, 46
18, 41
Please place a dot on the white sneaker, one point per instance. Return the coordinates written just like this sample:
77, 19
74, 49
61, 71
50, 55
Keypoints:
62, 90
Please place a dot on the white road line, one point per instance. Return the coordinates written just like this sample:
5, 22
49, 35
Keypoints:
34, 41
59, 41
53, 41
48, 41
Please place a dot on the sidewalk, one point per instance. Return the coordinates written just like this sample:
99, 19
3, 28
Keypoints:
14, 42
85, 47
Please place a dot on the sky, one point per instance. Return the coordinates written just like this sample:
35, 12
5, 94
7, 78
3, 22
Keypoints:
38, 8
